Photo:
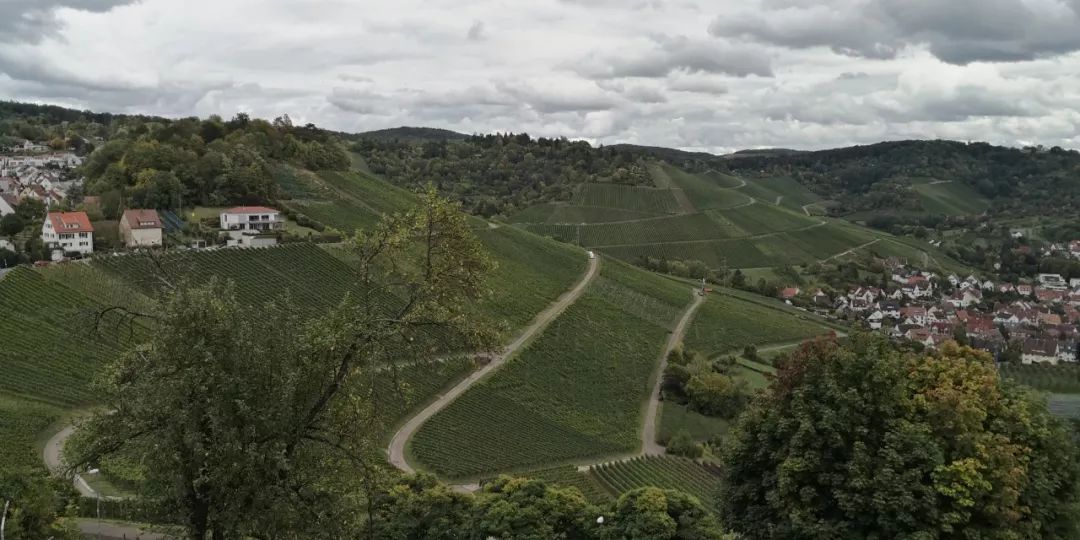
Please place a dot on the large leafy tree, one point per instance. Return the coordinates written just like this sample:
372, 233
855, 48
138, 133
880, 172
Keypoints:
254, 421
866, 441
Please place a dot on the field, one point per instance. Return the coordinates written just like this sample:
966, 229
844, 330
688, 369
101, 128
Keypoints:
727, 324
707, 192
635, 199
1059, 379
950, 198
315, 280
701, 480
785, 189
21, 422
575, 393
675, 418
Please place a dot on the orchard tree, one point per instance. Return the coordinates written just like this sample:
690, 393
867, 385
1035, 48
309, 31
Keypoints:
259, 422
865, 441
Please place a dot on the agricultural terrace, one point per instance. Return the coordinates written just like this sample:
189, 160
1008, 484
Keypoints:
701, 480
347, 201
577, 392
21, 422
727, 324
782, 191
708, 192
636, 199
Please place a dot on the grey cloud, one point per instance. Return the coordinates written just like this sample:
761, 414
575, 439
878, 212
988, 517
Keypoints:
558, 100
32, 20
634, 92
698, 85
670, 55
956, 31
476, 32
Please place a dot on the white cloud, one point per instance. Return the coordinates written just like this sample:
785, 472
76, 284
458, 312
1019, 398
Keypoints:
717, 75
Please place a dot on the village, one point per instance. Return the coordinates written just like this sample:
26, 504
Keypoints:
37, 172
1032, 322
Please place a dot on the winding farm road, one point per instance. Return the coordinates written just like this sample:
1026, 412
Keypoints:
649, 446
53, 456
396, 450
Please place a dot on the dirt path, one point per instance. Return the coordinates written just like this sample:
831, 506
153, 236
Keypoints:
649, 446
396, 450
852, 250
110, 530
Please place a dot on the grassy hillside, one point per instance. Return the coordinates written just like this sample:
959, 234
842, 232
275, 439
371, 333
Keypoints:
574, 393
950, 198
715, 218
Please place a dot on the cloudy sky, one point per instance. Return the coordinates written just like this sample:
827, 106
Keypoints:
714, 75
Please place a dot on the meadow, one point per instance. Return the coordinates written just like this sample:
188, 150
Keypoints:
574, 393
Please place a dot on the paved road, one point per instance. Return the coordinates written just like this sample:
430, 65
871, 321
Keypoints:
53, 456
109, 530
649, 446
397, 444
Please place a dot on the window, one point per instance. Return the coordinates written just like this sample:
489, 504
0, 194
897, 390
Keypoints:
84, 244
82, 235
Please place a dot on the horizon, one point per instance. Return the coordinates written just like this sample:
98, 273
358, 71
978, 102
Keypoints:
691, 75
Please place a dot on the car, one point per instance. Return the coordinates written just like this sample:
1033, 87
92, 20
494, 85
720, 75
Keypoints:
592, 255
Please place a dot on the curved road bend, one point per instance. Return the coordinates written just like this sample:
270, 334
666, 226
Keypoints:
397, 444
649, 446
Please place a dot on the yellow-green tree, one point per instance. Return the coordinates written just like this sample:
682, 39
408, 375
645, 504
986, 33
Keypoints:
866, 441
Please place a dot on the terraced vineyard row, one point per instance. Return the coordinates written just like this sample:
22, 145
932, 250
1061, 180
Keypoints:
50, 349
1060, 379
637, 199
574, 393
698, 479
708, 192
726, 324
20, 423
567, 213
314, 279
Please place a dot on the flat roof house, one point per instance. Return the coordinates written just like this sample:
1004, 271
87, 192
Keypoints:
252, 225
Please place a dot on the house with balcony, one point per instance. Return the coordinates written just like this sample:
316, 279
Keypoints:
68, 232
252, 226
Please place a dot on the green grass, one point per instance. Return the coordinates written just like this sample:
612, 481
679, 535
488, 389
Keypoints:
726, 324
574, 393
708, 192
698, 479
951, 199
636, 199
675, 418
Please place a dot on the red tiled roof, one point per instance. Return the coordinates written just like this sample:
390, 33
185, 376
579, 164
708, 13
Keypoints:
142, 219
251, 210
69, 222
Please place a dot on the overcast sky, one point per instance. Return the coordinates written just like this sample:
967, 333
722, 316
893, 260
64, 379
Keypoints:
714, 75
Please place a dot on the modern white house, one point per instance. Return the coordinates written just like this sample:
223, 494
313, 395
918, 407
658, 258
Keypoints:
68, 232
141, 228
252, 226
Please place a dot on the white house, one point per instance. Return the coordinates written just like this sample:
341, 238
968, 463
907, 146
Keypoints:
250, 225
68, 232
1053, 282
140, 228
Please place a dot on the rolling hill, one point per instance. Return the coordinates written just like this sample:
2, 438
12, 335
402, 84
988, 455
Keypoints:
716, 218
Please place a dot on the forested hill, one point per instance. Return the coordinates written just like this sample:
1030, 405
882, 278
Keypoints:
412, 134
880, 176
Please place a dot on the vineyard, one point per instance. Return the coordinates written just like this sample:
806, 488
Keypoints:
636, 199
701, 480
675, 418
50, 347
708, 192
950, 198
20, 423
727, 324
574, 393
789, 191
1059, 379
314, 279
532, 271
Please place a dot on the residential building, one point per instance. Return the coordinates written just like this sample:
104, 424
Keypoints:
1037, 351
68, 232
141, 228
7, 204
251, 225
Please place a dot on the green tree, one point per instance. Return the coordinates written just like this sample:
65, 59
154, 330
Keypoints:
421, 507
35, 506
682, 444
30, 210
255, 418
716, 394
865, 441
662, 514
12, 224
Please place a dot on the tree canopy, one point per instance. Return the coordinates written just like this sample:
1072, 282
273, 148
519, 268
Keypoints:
866, 441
